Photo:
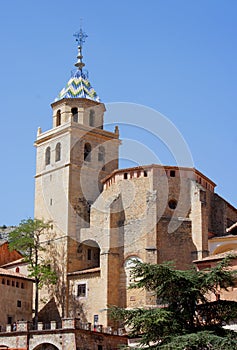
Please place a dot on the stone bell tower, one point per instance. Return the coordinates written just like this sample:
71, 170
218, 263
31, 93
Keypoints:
71, 160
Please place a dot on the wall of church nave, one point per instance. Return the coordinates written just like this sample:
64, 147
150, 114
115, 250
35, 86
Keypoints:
176, 246
222, 214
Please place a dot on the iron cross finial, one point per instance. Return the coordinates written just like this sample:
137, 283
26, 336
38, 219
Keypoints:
80, 37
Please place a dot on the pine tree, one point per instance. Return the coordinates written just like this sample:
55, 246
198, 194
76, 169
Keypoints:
185, 318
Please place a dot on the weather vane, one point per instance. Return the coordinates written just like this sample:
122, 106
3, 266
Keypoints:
80, 37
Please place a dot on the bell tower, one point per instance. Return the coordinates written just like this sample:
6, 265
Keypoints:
71, 160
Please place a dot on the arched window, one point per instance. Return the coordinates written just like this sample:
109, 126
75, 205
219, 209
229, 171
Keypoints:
101, 154
47, 156
92, 118
58, 152
58, 118
129, 265
74, 111
87, 152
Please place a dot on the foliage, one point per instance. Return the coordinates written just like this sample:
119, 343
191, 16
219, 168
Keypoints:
203, 340
28, 238
184, 318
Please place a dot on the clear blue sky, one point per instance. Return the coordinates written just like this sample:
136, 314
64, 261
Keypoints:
176, 56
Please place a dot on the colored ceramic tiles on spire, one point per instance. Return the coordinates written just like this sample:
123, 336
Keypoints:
78, 85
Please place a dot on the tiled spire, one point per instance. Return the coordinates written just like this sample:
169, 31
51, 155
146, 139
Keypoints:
78, 85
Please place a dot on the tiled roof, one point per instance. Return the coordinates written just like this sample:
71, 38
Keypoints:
15, 262
78, 86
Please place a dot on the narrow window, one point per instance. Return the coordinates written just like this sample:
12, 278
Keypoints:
9, 319
8, 282
58, 118
47, 156
88, 207
17, 284
87, 152
145, 173
58, 152
3, 281
92, 118
22, 286
74, 111
81, 290
89, 254
125, 176
18, 303
13, 283
17, 269
51, 201
101, 154
172, 173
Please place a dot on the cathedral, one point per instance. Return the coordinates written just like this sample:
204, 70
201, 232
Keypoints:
103, 218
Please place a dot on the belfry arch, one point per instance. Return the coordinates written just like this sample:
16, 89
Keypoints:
89, 254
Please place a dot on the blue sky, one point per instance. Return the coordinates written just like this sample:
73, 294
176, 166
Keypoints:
176, 56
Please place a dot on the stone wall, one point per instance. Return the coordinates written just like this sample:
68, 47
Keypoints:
73, 335
15, 299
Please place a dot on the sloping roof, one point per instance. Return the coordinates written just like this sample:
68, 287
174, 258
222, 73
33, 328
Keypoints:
14, 262
78, 86
4, 272
217, 256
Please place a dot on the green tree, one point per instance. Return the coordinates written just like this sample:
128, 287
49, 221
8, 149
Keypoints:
29, 239
184, 317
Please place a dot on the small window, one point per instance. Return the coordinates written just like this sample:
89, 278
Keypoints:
18, 303
89, 254
13, 283
101, 154
9, 319
87, 152
58, 152
17, 284
3, 281
22, 286
81, 290
92, 118
47, 156
17, 269
145, 173
8, 282
58, 118
51, 201
74, 111
172, 204
125, 176
172, 173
